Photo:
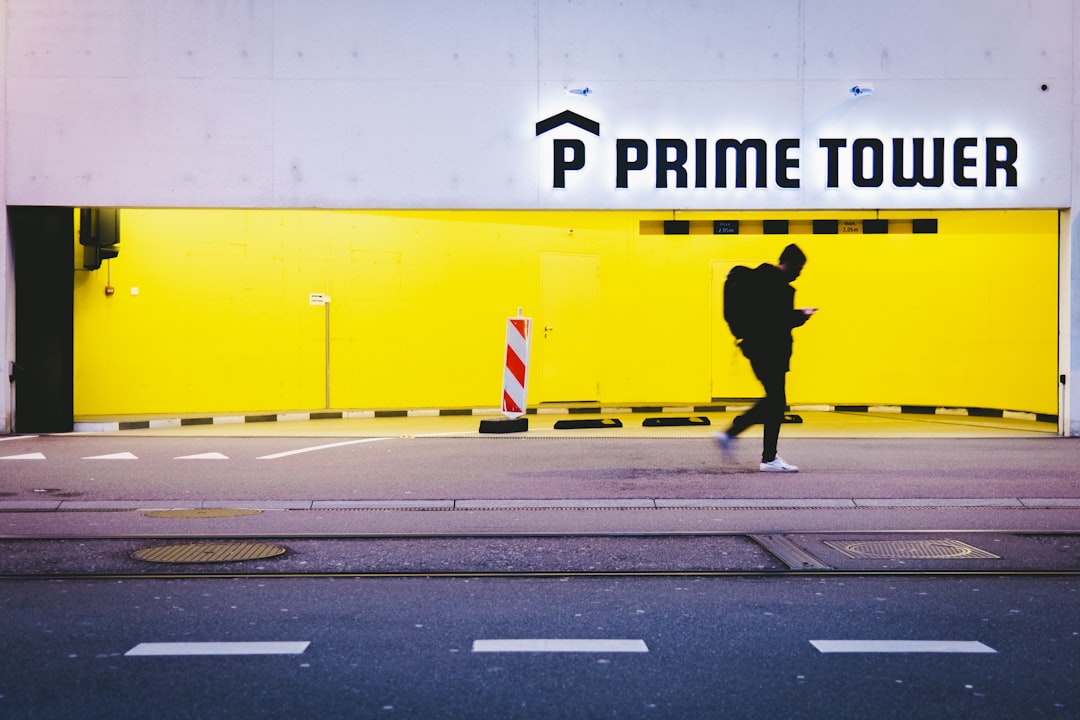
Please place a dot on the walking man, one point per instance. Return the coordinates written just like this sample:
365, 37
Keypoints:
767, 346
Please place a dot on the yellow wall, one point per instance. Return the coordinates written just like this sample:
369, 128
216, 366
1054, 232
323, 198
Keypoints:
221, 321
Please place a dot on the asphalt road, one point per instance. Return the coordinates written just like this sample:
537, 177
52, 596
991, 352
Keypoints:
665, 647
677, 563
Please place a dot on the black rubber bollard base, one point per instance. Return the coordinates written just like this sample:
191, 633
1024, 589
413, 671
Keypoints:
504, 425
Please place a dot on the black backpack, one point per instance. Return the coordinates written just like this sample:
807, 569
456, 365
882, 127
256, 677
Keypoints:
740, 300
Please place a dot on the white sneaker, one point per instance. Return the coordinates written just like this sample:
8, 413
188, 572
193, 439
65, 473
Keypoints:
778, 465
726, 443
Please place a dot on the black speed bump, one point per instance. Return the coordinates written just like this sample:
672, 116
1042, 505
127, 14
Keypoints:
675, 421
585, 424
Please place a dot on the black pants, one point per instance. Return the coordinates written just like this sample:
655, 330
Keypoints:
769, 410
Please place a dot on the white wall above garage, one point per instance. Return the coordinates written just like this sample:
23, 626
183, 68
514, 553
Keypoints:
433, 104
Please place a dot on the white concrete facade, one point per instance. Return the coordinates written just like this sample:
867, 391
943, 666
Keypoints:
433, 104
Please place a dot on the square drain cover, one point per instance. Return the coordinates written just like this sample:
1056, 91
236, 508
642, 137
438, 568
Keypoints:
910, 549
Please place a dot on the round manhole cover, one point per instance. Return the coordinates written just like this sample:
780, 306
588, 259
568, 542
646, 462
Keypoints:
200, 513
209, 552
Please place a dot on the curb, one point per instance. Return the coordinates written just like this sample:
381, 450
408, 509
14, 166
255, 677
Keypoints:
544, 504
234, 419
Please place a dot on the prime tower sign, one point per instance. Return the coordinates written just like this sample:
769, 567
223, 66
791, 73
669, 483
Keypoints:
720, 163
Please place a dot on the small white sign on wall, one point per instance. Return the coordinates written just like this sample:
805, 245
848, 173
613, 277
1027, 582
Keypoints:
318, 299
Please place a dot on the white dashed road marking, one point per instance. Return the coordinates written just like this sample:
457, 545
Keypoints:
27, 456
559, 645
900, 646
113, 456
204, 456
217, 648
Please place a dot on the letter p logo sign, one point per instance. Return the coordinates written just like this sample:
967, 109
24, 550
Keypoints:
564, 160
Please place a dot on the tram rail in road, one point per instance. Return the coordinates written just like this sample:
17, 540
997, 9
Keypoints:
635, 554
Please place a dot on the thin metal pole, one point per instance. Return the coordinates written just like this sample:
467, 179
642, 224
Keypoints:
327, 307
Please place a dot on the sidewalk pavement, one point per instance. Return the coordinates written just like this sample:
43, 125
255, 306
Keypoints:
431, 474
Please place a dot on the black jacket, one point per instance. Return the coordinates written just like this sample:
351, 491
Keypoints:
774, 318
